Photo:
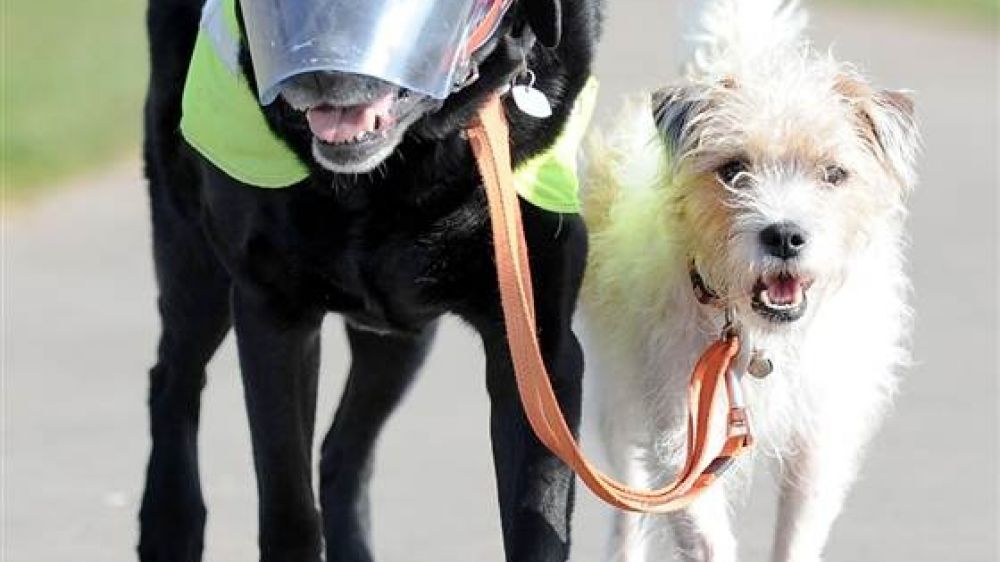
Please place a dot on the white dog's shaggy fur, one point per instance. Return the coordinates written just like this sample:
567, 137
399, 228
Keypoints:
763, 132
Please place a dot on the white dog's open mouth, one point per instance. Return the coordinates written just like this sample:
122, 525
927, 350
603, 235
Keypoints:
780, 297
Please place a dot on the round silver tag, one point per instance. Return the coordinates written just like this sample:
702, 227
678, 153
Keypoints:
759, 366
531, 101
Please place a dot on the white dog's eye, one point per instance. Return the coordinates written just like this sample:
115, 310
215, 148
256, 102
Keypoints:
834, 175
727, 172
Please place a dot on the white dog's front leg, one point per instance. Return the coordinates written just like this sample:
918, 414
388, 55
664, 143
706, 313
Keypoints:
702, 531
634, 538
633, 535
813, 488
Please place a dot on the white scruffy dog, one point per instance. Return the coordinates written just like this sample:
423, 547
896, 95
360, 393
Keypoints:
770, 181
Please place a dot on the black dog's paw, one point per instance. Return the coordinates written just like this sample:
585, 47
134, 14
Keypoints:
170, 551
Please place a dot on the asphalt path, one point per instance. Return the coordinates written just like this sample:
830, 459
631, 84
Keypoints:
80, 326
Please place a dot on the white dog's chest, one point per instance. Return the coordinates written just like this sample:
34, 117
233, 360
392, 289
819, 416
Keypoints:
829, 370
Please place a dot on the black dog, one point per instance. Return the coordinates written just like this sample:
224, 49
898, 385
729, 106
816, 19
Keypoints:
391, 250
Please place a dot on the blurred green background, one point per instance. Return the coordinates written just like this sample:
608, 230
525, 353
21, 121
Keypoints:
73, 75
73, 80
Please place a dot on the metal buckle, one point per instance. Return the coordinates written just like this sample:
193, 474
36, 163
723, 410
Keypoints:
738, 418
470, 77
739, 425
729, 328
719, 466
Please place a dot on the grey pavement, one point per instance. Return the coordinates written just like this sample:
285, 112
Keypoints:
79, 333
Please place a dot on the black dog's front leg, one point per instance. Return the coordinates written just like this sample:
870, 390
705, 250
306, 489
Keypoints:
279, 357
382, 368
194, 309
536, 489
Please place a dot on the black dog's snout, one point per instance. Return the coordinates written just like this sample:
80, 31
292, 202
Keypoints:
783, 240
339, 88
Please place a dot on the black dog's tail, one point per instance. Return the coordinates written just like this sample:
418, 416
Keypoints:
172, 27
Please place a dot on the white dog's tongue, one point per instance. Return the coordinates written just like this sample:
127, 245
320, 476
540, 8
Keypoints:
784, 290
342, 124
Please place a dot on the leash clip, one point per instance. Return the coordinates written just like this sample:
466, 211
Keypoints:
471, 77
729, 328
758, 365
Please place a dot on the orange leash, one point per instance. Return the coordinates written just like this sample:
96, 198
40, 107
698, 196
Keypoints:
718, 430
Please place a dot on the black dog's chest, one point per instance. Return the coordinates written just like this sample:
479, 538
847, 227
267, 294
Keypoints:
377, 278
386, 263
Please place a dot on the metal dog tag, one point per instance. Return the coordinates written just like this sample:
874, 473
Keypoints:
759, 366
531, 101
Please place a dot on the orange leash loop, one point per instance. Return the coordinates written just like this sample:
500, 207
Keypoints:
713, 413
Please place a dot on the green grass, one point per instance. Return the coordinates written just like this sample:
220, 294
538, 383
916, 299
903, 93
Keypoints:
73, 77
984, 12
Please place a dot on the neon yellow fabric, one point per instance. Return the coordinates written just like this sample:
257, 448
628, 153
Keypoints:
549, 179
221, 119
223, 122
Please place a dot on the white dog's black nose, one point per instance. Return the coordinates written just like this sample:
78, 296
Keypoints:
783, 240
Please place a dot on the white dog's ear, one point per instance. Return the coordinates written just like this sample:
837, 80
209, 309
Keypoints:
888, 124
674, 111
895, 127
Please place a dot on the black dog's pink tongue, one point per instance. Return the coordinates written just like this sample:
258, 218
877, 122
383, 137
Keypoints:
342, 124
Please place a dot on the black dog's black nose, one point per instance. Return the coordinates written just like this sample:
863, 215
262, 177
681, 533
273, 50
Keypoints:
338, 88
783, 240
